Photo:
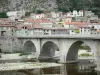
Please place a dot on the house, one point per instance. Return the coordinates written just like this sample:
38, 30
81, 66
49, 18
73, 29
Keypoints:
7, 28
37, 16
15, 15
56, 14
74, 31
88, 13
74, 24
55, 31
76, 13
85, 30
95, 25
42, 22
67, 19
69, 14
29, 30
60, 31
93, 31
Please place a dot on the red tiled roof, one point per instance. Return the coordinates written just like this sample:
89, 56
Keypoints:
77, 23
6, 25
30, 27
38, 20
84, 26
35, 27
59, 28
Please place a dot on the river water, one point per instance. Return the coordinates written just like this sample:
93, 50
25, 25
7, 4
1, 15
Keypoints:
66, 69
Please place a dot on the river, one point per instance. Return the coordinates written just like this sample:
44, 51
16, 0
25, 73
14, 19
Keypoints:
66, 69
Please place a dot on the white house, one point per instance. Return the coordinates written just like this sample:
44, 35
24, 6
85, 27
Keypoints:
56, 15
29, 30
67, 19
15, 15
85, 30
41, 22
81, 13
69, 14
76, 13
37, 16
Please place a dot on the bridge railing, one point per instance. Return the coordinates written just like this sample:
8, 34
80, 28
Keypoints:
90, 36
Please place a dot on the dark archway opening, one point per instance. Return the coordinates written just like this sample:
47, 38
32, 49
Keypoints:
29, 48
73, 51
79, 48
81, 57
49, 51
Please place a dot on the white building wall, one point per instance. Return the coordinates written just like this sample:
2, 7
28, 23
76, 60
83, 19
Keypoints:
81, 13
85, 31
75, 13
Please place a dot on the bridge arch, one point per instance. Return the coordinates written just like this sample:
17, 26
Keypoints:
73, 50
48, 49
29, 47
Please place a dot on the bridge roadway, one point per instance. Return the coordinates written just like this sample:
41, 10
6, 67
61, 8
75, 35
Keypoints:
77, 36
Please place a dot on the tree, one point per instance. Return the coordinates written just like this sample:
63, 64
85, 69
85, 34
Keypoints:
27, 13
3, 15
39, 11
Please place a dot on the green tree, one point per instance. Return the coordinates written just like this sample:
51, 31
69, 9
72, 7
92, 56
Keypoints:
3, 15
39, 11
27, 13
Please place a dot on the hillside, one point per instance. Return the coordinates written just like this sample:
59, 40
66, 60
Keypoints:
50, 5
28, 5
69, 5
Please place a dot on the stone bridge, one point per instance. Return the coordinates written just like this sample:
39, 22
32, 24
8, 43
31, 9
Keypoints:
67, 45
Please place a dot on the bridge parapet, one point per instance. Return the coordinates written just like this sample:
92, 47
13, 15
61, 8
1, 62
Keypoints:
64, 36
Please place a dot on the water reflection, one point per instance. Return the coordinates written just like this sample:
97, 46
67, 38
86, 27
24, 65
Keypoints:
73, 69
66, 69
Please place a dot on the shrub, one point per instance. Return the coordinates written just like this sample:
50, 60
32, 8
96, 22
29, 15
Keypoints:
24, 53
3, 15
85, 54
39, 11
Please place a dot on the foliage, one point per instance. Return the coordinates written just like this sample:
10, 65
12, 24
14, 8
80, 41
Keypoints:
27, 13
86, 54
77, 30
85, 47
3, 15
70, 5
24, 53
35, 11
39, 11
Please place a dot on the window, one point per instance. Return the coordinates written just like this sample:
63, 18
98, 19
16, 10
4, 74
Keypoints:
25, 27
3, 33
54, 30
12, 31
25, 31
16, 19
92, 26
